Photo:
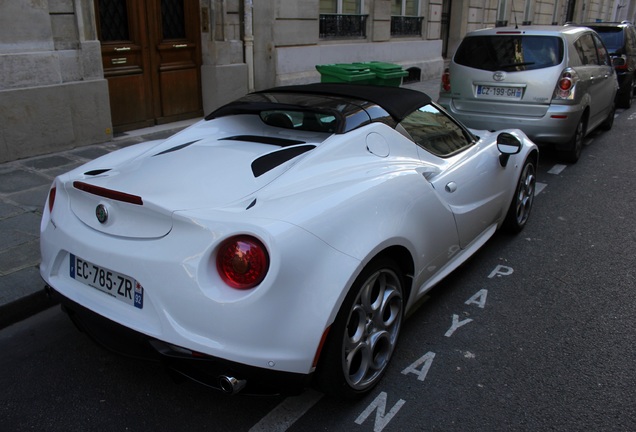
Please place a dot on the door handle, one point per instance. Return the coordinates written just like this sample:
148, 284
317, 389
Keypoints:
451, 187
180, 46
122, 49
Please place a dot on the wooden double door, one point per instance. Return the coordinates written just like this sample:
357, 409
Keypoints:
151, 56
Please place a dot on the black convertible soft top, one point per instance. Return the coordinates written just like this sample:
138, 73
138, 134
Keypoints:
397, 101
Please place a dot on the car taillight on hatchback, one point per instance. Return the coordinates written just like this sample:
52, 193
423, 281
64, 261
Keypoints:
566, 85
620, 62
446, 84
242, 262
52, 192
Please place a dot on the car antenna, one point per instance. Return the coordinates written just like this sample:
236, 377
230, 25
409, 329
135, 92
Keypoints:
514, 13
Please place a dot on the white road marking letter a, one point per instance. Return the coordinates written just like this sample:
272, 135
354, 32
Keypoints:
381, 420
427, 360
479, 298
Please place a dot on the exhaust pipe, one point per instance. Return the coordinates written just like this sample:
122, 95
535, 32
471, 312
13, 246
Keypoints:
231, 385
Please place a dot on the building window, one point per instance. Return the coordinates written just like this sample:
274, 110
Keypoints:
342, 19
405, 19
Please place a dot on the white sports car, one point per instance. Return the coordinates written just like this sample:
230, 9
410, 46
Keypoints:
279, 242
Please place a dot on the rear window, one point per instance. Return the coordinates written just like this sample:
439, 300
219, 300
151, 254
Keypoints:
612, 37
510, 52
301, 120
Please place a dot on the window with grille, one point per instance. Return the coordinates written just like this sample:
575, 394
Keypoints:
342, 19
405, 19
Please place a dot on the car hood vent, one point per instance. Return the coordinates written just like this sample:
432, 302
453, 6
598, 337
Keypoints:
280, 142
96, 172
179, 147
270, 161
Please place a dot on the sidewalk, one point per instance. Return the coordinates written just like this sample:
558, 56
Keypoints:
24, 185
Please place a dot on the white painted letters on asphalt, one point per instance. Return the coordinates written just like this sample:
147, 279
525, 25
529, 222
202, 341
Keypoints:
479, 298
500, 271
456, 324
379, 404
426, 360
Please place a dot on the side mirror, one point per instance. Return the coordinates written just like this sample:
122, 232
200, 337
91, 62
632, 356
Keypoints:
507, 144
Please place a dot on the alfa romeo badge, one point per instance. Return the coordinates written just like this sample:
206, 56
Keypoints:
102, 213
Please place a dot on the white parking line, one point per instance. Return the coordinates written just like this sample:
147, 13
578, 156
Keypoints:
557, 169
539, 187
287, 412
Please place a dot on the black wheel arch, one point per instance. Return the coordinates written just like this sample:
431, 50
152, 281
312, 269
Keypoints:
404, 260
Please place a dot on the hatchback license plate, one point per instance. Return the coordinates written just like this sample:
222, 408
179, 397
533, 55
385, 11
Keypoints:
499, 92
120, 286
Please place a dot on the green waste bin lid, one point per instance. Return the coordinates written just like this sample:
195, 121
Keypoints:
344, 68
345, 72
384, 70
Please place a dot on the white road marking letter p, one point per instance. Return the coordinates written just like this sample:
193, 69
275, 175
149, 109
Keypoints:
501, 270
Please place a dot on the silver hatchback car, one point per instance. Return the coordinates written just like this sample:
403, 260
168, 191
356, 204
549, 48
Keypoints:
555, 83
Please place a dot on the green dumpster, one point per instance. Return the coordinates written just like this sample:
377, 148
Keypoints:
345, 73
386, 74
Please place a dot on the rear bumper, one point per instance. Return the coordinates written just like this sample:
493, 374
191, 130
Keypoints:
556, 126
202, 368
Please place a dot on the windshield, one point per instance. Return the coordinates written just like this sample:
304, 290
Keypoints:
510, 52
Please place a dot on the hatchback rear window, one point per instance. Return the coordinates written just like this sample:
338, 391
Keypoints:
510, 52
612, 37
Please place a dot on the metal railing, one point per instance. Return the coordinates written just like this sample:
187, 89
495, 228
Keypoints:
343, 26
406, 26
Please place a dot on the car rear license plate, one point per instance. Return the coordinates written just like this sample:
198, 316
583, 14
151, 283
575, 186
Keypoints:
120, 286
499, 92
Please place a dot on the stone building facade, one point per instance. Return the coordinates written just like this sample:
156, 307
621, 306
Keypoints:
70, 70
52, 89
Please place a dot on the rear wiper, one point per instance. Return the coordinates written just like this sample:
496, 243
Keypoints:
510, 65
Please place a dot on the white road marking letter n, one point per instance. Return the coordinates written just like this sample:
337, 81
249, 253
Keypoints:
379, 404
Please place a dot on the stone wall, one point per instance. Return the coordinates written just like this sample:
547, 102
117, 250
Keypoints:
52, 92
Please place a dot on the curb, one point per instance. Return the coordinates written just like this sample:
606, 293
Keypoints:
25, 307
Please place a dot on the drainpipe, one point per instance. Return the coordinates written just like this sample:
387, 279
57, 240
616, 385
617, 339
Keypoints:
502, 13
248, 43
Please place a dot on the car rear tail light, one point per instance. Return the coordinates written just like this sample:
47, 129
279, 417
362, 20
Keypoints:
108, 193
446, 84
566, 85
242, 262
52, 193
620, 62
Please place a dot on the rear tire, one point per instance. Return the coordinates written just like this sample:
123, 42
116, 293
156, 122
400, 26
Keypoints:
573, 154
519, 210
609, 121
363, 337
625, 100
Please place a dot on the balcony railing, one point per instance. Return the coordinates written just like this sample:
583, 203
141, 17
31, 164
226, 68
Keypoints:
343, 26
406, 26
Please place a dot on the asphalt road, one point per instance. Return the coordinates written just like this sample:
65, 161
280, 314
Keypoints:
535, 332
